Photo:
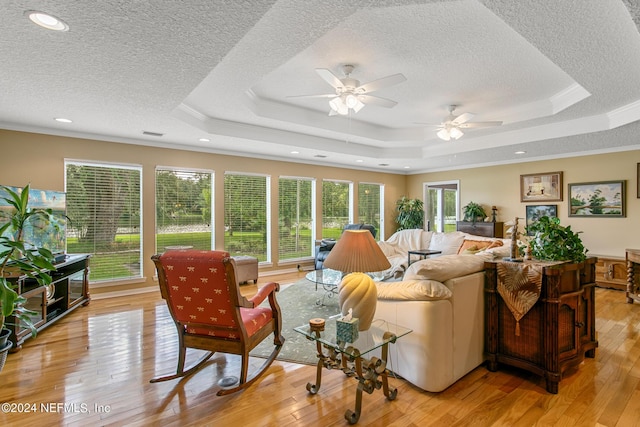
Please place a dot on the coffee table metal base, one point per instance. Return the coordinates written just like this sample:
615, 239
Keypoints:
371, 373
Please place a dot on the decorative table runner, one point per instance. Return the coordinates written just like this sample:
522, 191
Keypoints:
519, 285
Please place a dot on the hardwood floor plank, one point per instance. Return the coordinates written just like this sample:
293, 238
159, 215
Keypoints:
101, 357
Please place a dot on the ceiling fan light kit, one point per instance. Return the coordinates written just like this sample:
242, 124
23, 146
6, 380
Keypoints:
350, 95
451, 127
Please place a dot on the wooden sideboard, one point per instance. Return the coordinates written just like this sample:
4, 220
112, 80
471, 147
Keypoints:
555, 334
486, 229
67, 291
611, 272
633, 275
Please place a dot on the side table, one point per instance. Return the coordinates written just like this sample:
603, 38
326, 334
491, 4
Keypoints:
633, 275
422, 253
371, 373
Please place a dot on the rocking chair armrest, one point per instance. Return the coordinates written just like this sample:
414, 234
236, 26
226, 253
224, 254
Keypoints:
264, 292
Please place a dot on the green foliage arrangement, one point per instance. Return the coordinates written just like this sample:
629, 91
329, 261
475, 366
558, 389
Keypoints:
551, 241
410, 213
18, 256
473, 211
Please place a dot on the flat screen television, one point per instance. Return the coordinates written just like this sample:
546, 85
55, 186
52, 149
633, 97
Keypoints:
52, 235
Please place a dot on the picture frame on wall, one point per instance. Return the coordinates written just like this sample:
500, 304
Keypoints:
541, 187
598, 199
535, 212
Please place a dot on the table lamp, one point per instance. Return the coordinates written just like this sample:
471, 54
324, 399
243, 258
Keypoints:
357, 253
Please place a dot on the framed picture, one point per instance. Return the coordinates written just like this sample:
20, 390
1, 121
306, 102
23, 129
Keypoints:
541, 187
535, 212
597, 199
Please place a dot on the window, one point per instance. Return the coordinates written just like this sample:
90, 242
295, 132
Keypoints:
183, 209
336, 207
442, 202
246, 215
371, 205
295, 221
104, 210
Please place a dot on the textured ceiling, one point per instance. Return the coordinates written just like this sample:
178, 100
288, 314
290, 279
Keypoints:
558, 73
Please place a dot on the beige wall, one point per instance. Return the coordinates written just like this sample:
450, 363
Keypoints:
500, 186
39, 159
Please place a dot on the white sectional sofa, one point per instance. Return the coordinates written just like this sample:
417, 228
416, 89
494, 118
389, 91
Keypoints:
441, 299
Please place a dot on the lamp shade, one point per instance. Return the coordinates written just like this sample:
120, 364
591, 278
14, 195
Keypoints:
356, 251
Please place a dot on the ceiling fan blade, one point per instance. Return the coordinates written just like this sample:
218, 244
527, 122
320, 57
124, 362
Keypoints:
462, 118
329, 77
477, 125
324, 95
376, 100
380, 83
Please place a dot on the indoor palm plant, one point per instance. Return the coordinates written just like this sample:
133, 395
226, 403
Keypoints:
410, 213
19, 257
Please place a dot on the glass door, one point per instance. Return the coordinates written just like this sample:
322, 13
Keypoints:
442, 200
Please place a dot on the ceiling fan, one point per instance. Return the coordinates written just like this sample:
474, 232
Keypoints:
350, 94
452, 125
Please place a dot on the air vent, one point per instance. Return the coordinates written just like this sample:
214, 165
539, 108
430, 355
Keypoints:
152, 133
321, 156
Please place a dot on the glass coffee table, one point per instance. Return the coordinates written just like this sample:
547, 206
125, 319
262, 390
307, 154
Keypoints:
354, 359
329, 280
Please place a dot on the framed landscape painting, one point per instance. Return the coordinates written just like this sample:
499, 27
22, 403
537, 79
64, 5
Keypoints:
535, 212
597, 199
541, 187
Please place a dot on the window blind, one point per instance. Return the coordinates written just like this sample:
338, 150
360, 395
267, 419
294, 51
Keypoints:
104, 210
370, 207
246, 215
184, 210
295, 218
336, 207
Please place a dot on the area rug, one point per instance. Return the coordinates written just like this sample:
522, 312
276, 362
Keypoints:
299, 302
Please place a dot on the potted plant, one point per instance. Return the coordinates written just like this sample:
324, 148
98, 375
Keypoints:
473, 212
19, 257
410, 213
550, 241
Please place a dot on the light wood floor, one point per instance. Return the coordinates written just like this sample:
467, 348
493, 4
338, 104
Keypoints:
98, 361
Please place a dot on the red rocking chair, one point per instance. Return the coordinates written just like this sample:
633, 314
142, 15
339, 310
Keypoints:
204, 300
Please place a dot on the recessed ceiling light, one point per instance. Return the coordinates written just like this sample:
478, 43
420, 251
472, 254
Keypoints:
359, 161
63, 120
295, 152
204, 140
407, 167
47, 21
520, 152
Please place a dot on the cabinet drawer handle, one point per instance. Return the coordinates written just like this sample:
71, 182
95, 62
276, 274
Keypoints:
579, 324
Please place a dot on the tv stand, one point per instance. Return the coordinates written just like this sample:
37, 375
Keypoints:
67, 291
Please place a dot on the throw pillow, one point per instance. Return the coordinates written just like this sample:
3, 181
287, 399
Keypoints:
447, 243
478, 245
413, 290
444, 267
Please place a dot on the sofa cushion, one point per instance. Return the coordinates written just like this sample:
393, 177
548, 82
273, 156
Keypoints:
414, 290
444, 267
477, 245
447, 243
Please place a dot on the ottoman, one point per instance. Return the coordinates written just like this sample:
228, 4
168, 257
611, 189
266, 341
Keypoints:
246, 268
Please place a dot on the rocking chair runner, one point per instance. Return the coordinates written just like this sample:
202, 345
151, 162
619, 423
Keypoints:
204, 300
